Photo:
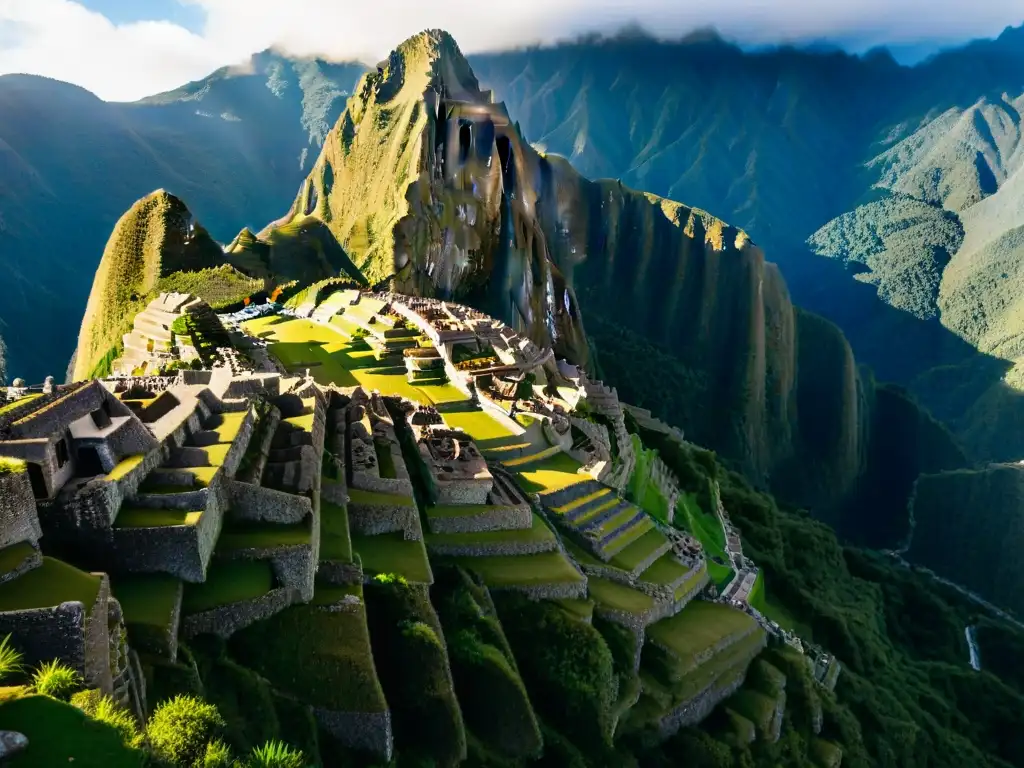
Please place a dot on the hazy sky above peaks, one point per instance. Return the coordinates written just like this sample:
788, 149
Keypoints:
127, 49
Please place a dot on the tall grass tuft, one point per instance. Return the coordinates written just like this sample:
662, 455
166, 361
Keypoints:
10, 659
56, 679
276, 754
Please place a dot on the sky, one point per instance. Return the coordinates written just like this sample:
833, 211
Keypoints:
125, 49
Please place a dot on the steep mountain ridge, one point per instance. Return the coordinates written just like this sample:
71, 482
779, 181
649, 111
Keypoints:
426, 182
72, 164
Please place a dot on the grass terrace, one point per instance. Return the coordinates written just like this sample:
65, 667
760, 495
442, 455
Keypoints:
665, 570
385, 461
641, 490
125, 466
52, 583
324, 657
478, 424
334, 358
60, 734
578, 609
335, 540
619, 597
13, 556
150, 517
227, 583
538, 532
551, 474
261, 535
690, 585
391, 553
359, 496
698, 627
521, 570
147, 598
638, 551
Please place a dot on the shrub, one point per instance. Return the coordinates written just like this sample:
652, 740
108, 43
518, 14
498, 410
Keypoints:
103, 708
10, 659
57, 680
276, 754
218, 755
181, 730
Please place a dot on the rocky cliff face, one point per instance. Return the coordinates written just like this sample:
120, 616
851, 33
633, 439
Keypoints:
429, 184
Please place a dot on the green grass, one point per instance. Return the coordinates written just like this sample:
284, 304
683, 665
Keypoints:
537, 532
52, 583
324, 658
262, 535
698, 627
60, 734
690, 585
14, 555
385, 460
665, 570
521, 570
359, 496
125, 466
638, 551
390, 553
479, 425
641, 490
463, 510
19, 402
704, 526
720, 575
551, 474
616, 521
619, 597
146, 517
226, 425
579, 609
334, 358
335, 540
227, 583
147, 599
760, 600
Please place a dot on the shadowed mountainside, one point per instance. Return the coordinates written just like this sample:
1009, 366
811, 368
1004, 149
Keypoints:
904, 175
425, 179
233, 144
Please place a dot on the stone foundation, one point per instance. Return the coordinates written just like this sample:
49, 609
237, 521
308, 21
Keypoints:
374, 519
253, 502
476, 549
225, 620
498, 519
365, 731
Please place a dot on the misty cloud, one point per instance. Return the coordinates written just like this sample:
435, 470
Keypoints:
63, 39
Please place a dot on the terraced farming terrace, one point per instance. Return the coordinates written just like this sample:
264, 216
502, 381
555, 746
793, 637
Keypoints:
317, 510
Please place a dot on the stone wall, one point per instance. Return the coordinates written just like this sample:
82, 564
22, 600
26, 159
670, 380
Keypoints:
495, 519
225, 620
550, 591
694, 710
131, 438
44, 634
491, 549
97, 640
254, 502
376, 518
58, 413
240, 443
19, 520
294, 565
337, 573
365, 731
263, 431
179, 550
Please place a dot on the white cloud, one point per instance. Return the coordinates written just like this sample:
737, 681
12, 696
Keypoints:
62, 39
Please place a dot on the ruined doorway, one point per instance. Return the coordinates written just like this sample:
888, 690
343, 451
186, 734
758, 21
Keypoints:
508, 169
89, 464
465, 140
38, 481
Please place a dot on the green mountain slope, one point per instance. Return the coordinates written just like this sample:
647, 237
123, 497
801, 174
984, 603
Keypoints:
428, 183
71, 164
897, 173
